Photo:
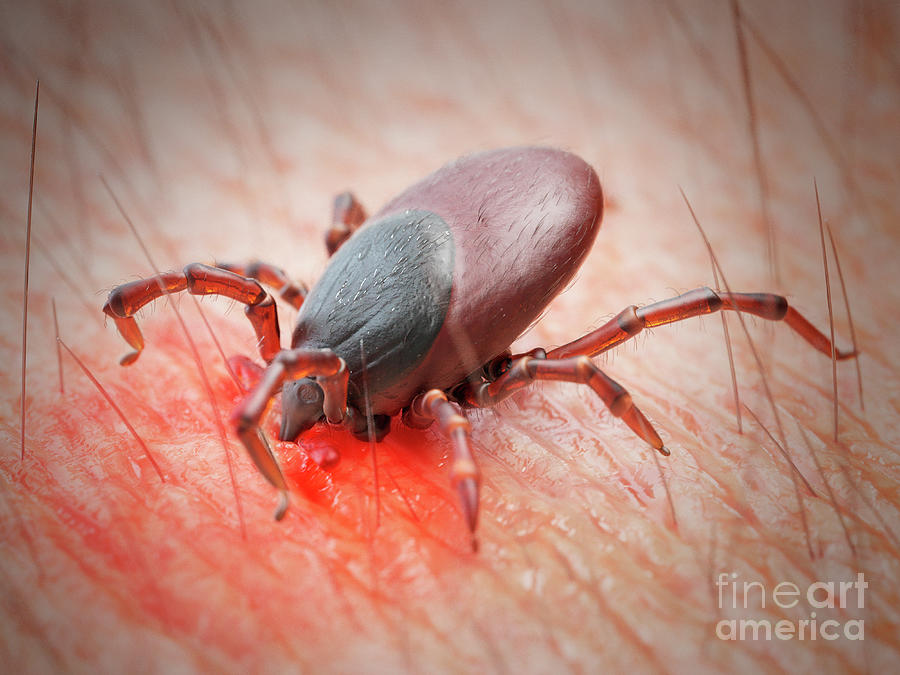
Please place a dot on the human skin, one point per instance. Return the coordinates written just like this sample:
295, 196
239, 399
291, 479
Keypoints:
224, 136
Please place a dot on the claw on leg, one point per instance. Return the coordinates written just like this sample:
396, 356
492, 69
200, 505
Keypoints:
129, 330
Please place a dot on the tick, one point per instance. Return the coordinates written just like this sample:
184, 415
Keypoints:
419, 304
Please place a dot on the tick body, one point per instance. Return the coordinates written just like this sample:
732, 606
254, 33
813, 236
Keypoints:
449, 273
419, 304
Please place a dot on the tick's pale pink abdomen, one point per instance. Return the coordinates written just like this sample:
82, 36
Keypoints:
522, 220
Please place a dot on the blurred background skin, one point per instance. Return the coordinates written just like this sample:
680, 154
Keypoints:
225, 130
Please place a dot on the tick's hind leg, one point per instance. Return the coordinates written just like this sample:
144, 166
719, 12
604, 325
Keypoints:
632, 320
526, 369
348, 216
125, 300
433, 406
290, 291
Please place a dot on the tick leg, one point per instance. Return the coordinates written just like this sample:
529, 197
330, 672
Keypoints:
348, 216
526, 369
632, 320
464, 475
290, 291
293, 364
125, 300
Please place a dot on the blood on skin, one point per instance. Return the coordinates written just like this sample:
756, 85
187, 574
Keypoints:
413, 458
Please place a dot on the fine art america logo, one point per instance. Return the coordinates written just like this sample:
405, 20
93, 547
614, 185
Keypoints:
825, 610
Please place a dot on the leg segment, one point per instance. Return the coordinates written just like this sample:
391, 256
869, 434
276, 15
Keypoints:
464, 475
125, 300
290, 291
348, 216
580, 369
632, 320
288, 365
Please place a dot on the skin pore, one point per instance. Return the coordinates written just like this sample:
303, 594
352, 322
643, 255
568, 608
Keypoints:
224, 133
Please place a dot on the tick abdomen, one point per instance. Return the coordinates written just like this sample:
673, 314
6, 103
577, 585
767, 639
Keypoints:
522, 220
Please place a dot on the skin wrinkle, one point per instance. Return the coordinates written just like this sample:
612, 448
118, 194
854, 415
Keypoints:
242, 135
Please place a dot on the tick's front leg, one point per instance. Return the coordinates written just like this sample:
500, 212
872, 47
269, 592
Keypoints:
125, 300
332, 375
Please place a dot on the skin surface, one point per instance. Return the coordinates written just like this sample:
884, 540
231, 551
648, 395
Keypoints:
225, 132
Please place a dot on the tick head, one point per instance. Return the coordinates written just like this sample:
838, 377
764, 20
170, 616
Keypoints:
301, 407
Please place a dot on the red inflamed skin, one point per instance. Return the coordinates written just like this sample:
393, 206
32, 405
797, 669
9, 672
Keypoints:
401, 399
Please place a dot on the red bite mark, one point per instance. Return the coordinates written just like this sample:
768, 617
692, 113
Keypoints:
329, 467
